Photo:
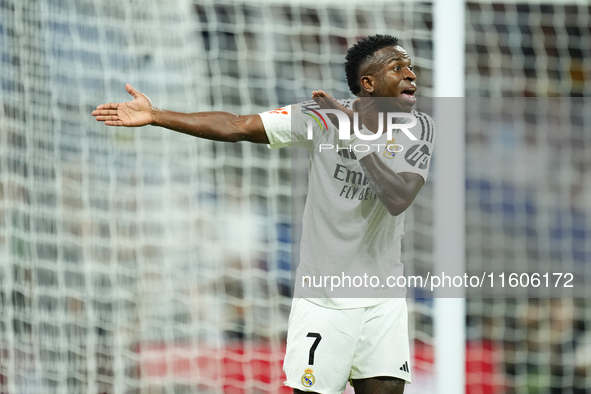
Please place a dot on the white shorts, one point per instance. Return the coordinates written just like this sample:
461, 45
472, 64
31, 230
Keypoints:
327, 347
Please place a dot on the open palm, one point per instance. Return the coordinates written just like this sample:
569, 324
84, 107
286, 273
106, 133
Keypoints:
135, 113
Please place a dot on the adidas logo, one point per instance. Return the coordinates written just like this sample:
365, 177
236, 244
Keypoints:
346, 154
405, 367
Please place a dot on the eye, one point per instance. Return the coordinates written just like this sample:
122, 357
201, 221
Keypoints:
397, 68
411, 68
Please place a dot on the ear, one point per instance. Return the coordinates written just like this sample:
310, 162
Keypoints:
367, 83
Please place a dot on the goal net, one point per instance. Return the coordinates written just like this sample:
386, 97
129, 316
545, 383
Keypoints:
528, 197
146, 261
141, 260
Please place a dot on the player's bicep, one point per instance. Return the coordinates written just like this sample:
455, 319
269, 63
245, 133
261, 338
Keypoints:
286, 129
251, 129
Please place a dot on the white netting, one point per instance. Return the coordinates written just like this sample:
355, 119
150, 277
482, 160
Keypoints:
528, 191
140, 260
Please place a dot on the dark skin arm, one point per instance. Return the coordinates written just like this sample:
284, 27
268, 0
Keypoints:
396, 191
217, 126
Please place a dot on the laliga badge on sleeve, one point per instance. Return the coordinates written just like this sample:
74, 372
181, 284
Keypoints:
308, 379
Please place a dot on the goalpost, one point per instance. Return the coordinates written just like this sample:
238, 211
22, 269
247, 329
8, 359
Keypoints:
449, 336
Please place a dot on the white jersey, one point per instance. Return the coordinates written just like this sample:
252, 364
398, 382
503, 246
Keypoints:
347, 232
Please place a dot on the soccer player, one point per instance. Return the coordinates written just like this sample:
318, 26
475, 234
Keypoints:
353, 219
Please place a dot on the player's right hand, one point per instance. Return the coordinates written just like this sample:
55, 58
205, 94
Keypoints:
326, 101
135, 113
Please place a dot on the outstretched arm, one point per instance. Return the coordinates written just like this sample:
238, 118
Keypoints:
396, 191
218, 126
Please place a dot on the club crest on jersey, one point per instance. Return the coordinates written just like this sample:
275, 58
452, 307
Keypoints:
308, 379
390, 149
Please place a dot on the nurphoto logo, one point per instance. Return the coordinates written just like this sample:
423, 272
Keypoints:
345, 124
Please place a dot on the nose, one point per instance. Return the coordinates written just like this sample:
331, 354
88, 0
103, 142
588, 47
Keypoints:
409, 74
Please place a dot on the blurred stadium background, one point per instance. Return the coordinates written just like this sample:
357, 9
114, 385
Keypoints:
144, 261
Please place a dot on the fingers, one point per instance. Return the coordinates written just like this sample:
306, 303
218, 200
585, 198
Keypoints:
110, 120
108, 106
325, 101
107, 113
104, 112
130, 89
320, 93
104, 118
102, 115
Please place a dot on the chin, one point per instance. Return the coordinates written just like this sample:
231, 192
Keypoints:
402, 105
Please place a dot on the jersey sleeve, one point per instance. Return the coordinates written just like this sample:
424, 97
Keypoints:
416, 156
288, 127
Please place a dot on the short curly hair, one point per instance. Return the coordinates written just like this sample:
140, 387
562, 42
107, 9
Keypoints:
359, 53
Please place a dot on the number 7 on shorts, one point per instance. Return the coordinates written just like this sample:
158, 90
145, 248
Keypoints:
314, 346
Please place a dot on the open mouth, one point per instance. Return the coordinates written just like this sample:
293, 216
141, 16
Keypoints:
409, 95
